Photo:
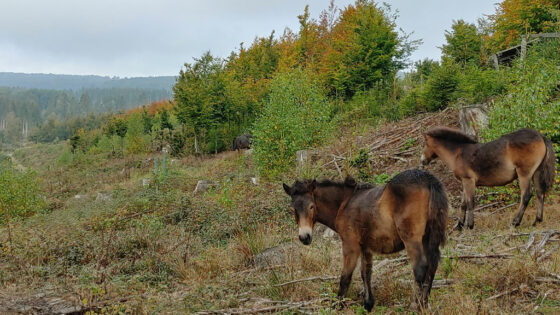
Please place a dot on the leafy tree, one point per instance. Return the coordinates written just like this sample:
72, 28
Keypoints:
532, 99
365, 48
147, 122
463, 43
296, 116
514, 18
440, 86
164, 120
423, 69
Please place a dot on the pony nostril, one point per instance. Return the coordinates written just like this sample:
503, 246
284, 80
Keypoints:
305, 239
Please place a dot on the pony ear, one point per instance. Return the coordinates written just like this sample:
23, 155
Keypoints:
350, 181
287, 189
312, 185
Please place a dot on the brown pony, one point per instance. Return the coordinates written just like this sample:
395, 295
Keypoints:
410, 212
523, 154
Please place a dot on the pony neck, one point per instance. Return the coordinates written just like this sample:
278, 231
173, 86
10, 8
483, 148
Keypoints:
328, 201
448, 151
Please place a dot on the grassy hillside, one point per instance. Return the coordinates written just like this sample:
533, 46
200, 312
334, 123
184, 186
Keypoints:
108, 244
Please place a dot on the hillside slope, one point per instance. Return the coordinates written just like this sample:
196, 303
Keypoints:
123, 247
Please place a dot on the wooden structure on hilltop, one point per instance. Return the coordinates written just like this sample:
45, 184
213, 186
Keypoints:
506, 56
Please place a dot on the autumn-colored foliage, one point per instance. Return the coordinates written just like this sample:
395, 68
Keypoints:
514, 18
153, 108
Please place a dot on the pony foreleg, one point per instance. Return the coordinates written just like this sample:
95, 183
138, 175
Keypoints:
350, 254
462, 213
366, 277
469, 191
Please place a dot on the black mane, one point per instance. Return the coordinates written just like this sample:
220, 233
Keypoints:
301, 187
449, 134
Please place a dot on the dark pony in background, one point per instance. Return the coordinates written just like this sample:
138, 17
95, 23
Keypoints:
524, 154
409, 212
241, 142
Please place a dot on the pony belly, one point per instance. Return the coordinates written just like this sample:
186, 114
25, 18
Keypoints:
384, 244
499, 177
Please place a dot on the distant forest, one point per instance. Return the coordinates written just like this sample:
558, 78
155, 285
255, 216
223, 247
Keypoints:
79, 82
28, 101
36, 105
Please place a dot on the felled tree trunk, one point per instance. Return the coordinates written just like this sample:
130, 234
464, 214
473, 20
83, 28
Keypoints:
473, 118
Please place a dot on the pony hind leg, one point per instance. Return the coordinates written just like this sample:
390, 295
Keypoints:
367, 258
432, 256
525, 197
420, 266
540, 197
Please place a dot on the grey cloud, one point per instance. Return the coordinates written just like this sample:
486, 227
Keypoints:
143, 37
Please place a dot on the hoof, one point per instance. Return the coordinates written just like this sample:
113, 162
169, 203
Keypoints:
368, 305
458, 227
537, 220
516, 223
470, 226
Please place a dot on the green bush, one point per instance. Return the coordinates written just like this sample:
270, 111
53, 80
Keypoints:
476, 84
296, 116
533, 97
440, 86
19, 193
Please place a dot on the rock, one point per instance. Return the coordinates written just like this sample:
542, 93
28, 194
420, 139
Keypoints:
103, 196
146, 162
277, 255
325, 232
81, 197
301, 157
146, 182
248, 152
473, 118
255, 181
330, 234
203, 186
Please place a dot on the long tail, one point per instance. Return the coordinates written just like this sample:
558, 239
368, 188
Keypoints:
434, 235
547, 170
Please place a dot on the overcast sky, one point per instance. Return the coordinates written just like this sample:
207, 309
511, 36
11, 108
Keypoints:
155, 37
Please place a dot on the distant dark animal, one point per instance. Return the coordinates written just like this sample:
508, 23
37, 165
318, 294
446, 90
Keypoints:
523, 154
410, 212
241, 142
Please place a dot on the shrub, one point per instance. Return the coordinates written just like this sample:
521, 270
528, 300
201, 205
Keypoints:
296, 116
440, 86
19, 193
533, 97
477, 84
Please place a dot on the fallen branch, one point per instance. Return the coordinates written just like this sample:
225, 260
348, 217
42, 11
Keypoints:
436, 284
522, 286
487, 206
553, 232
306, 279
542, 243
501, 208
547, 280
498, 256
281, 306
550, 252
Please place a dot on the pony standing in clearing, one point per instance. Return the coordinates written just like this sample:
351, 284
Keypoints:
524, 154
410, 212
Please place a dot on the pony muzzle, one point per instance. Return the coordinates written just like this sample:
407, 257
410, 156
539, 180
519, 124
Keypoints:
305, 235
424, 161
